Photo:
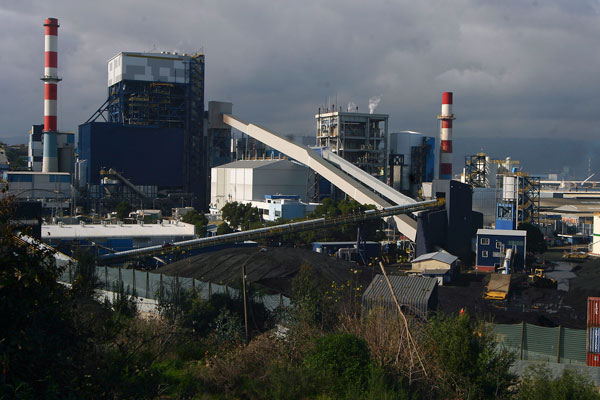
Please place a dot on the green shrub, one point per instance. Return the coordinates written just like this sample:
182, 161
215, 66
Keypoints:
340, 363
466, 356
537, 384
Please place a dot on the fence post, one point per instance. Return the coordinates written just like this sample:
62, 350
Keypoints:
209, 290
106, 277
558, 347
70, 275
193, 287
522, 337
120, 277
280, 300
133, 277
160, 286
147, 283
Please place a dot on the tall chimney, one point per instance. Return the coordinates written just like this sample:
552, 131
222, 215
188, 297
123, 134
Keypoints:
51, 79
446, 118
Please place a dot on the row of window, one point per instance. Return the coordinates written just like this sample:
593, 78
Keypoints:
511, 243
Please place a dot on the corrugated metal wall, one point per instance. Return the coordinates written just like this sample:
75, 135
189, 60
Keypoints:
538, 343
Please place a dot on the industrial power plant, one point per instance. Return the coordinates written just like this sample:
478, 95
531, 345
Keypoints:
162, 181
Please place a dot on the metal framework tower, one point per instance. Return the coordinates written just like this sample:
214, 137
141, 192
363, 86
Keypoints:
356, 137
518, 198
476, 170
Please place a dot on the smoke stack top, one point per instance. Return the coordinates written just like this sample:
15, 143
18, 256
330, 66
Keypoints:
373, 103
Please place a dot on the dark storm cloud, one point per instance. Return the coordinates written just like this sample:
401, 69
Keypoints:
518, 69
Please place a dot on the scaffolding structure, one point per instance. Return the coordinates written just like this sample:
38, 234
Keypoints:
518, 197
356, 137
476, 171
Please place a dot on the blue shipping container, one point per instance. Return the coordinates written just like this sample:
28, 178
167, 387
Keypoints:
594, 340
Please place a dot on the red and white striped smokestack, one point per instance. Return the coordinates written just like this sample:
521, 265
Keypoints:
50, 78
446, 118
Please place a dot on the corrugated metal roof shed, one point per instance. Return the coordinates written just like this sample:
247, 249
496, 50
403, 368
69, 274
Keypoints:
417, 294
441, 256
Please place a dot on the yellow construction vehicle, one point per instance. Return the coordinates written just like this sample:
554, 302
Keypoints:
540, 280
498, 287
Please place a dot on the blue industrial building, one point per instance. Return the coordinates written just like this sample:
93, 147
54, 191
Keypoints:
492, 245
146, 155
153, 123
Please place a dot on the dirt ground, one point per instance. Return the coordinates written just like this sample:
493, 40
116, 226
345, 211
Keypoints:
544, 307
275, 268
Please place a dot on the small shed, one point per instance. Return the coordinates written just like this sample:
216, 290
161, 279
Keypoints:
439, 264
416, 294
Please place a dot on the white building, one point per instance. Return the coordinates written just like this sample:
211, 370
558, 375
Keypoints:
52, 188
65, 143
251, 180
119, 236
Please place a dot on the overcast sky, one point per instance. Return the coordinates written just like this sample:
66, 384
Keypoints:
518, 69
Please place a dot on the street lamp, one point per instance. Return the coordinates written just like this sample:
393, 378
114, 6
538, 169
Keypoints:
262, 249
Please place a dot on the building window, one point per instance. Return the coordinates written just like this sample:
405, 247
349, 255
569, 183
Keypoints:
277, 213
484, 254
485, 241
498, 245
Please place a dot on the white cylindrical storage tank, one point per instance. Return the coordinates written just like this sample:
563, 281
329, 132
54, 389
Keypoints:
510, 185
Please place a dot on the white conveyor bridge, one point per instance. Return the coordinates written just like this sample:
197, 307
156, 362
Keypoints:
347, 177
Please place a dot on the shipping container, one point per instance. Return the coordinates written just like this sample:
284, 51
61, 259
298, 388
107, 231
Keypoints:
593, 311
594, 340
593, 359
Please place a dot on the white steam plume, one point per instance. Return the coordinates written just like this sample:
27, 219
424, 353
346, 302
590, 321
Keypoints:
373, 103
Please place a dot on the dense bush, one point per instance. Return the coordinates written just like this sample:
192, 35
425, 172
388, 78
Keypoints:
537, 384
340, 362
467, 358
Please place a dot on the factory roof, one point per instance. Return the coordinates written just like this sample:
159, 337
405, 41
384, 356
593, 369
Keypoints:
501, 232
90, 231
438, 256
35, 173
255, 163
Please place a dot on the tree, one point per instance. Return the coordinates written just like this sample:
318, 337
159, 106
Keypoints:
240, 215
43, 351
198, 220
123, 209
309, 297
223, 229
467, 358
535, 238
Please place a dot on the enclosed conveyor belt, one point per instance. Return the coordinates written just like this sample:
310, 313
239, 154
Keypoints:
367, 179
353, 188
319, 223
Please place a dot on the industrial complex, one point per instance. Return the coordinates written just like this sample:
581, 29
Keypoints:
157, 151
